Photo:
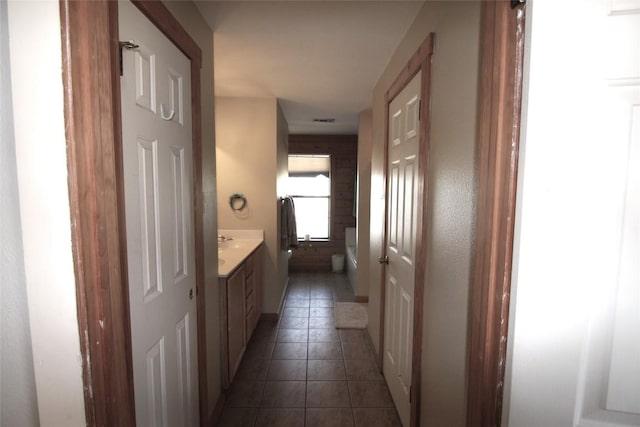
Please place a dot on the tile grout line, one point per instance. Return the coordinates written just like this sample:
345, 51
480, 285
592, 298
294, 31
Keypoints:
320, 295
306, 378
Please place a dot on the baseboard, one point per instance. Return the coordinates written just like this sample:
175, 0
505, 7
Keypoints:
214, 418
283, 297
270, 317
362, 299
274, 317
373, 349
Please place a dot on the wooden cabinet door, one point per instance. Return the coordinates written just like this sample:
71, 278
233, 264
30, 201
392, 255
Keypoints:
236, 320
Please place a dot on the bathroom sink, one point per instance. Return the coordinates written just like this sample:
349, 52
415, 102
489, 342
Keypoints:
229, 244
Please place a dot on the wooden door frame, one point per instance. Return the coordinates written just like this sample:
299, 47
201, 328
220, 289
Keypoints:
91, 81
420, 61
502, 55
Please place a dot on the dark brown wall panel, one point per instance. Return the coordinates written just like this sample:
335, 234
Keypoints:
343, 149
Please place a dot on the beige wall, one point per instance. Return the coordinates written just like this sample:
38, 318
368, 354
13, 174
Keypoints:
282, 168
187, 14
450, 206
364, 196
247, 162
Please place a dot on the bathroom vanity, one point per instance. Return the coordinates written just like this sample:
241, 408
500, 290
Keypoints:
240, 287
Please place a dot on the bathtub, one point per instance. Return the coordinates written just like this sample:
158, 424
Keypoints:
351, 258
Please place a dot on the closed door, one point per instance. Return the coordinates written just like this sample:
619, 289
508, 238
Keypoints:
157, 158
402, 211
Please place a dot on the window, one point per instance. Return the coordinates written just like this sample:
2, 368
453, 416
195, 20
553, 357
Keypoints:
310, 187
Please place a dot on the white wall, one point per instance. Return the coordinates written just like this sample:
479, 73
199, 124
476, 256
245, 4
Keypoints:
450, 206
247, 147
42, 180
41, 157
573, 163
18, 404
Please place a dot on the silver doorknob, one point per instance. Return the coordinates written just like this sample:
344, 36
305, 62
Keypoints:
191, 293
384, 259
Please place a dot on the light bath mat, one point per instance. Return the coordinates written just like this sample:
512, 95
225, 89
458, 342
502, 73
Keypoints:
351, 315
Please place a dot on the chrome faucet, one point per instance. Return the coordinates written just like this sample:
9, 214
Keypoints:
222, 238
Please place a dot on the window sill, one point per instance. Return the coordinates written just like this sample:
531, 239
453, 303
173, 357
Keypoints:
301, 241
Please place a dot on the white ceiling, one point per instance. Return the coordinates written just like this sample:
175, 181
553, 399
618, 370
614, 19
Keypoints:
321, 59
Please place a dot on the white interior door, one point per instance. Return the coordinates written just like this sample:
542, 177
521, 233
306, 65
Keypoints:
157, 151
402, 211
576, 325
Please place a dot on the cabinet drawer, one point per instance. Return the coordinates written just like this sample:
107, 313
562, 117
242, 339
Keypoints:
249, 284
248, 266
236, 321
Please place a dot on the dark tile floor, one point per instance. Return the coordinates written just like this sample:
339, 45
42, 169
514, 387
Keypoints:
301, 371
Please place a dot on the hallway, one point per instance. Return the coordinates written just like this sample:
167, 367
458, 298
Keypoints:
301, 371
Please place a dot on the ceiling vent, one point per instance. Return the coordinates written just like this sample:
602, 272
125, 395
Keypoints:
324, 120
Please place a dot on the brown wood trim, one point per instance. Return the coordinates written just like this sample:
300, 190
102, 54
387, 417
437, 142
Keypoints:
170, 27
385, 231
90, 123
198, 225
502, 45
420, 61
117, 133
415, 64
361, 299
421, 245
96, 191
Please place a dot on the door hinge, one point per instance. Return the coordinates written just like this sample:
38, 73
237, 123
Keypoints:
420, 110
126, 45
410, 390
516, 3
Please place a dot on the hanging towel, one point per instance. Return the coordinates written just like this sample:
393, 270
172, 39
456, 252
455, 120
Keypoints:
289, 234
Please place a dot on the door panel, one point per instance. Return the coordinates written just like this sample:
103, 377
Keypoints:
184, 369
401, 243
394, 195
181, 224
145, 75
157, 384
409, 208
149, 224
158, 181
